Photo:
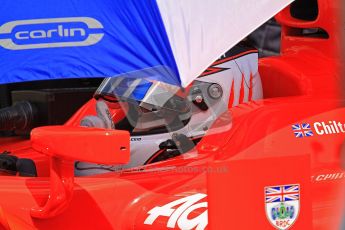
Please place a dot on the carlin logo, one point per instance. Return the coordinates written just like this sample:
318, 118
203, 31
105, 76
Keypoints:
282, 205
50, 33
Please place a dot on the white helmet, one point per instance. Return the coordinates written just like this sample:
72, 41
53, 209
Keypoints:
165, 121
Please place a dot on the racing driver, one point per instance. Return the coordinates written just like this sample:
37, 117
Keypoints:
165, 121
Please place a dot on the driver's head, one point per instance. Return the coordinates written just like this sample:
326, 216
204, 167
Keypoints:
162, 115
142, 106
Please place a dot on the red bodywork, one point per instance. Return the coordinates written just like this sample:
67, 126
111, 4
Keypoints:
227, 172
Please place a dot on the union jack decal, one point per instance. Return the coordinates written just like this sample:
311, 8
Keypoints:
282, 193
302, 130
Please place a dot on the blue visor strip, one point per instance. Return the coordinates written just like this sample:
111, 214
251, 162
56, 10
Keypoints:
141, 90
128, 89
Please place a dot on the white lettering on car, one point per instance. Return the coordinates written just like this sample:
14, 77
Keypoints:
179, 215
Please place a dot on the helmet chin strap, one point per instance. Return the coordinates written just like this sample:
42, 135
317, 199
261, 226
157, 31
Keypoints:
102, 120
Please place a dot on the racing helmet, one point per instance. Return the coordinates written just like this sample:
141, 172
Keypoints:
158, 115
146, 106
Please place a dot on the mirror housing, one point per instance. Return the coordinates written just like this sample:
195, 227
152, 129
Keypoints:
64, 145
92, 145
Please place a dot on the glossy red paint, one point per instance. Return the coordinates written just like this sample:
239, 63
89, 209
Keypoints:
82, 143
249, 147
79, 143
309, 65
283, 159
122, 200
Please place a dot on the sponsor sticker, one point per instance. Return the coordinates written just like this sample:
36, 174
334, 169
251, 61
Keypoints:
135, 138
318, 129
328, 177
282, 205
302, 130
179, 212
51, 33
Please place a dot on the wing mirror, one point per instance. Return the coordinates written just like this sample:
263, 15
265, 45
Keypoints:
83, 144
64, 145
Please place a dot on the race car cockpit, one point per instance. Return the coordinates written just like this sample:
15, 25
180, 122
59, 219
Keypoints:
164, 120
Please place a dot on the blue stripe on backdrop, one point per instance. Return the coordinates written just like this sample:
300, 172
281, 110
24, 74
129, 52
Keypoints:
108, 38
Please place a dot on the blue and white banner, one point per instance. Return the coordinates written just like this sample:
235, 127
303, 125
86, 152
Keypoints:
50, 39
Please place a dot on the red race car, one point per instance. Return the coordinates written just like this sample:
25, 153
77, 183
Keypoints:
249, 144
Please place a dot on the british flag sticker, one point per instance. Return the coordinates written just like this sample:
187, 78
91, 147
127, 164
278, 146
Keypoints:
302, 130
282, 205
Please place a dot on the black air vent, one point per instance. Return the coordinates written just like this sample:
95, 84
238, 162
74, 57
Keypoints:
307, 10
